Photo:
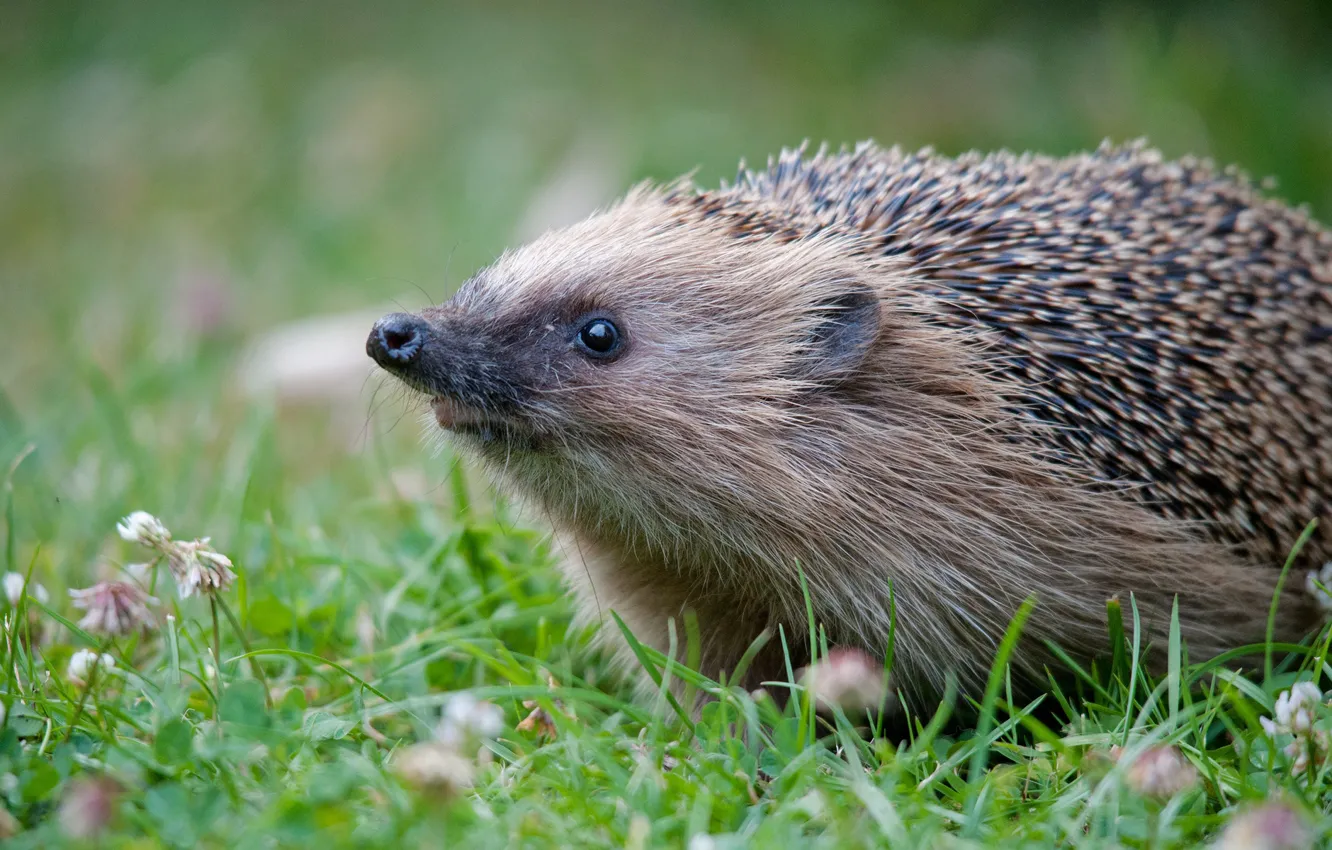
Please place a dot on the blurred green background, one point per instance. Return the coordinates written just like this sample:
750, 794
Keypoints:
203, 207
177, 178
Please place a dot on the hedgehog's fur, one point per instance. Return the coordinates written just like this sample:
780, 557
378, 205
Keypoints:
975, 379
1172, 319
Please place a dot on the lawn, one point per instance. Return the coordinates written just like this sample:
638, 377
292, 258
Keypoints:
200, 204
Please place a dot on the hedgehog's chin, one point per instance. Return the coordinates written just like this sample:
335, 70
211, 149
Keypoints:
489, 430
453, 416
467, 421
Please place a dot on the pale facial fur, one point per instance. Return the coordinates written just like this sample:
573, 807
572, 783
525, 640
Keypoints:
782, 403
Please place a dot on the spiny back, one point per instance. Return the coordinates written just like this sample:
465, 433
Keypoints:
1173, 325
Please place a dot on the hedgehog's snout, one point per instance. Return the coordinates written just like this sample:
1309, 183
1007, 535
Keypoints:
396, 341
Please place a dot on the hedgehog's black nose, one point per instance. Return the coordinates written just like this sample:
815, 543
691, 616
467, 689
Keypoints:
396, 340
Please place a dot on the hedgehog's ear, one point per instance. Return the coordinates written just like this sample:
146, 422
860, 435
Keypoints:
844, 329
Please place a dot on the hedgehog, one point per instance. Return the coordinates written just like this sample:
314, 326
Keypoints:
909, 393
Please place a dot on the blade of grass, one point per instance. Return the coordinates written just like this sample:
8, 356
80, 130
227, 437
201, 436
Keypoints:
876, 718
1114, 613
742, 667
314, 659
1131, 694
807, 707
980, 755
1172, 664
645, 659
1276, 596
693, 654
937, 721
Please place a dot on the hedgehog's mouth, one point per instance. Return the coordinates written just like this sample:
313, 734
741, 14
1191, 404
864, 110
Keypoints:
453, 416
484, 426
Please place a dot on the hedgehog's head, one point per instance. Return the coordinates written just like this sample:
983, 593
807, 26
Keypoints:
650, 355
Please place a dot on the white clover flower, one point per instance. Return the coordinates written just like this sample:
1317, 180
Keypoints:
82, 662
88, 807
1294, 715
1298, 750
434, 767
1269, 826
195, 565
114, 608
1294, 708
14, 589
144, 528
847, 678
459, 708
139, 572
198, 568
466, 718
1161, 772
488, 722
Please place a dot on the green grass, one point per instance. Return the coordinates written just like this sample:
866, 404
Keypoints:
295, 160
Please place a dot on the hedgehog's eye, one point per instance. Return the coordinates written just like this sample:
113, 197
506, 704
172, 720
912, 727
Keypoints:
599, 337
